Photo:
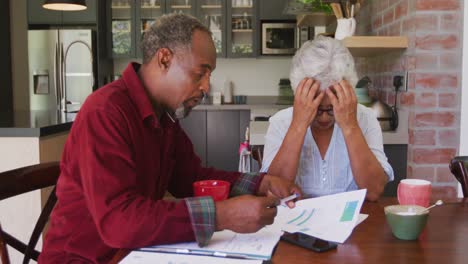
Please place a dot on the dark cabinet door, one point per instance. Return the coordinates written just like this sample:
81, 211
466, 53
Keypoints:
212, 13
194, 126
39, 15
241, 25
223, 139
273, 10
122, 28
397, 157
87, 16
147, 11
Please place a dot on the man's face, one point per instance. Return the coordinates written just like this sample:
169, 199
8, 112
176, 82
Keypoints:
324, 118
190, 72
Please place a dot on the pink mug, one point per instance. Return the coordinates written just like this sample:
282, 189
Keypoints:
414, 192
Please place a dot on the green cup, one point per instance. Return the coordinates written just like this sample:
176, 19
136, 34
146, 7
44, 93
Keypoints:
406, 221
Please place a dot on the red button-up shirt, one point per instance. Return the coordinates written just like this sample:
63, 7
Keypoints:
118, 162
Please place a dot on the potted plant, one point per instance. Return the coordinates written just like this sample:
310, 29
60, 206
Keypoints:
308, 6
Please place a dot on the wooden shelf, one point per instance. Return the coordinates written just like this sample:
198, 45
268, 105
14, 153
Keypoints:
211, 6
150, 7
247, 6
181, 6
314, 19
121, 7
369, 46
242, 30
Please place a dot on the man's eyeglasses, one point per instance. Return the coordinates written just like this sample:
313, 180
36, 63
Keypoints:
329, 111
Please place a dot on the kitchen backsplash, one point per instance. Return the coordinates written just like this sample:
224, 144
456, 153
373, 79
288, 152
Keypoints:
250, 76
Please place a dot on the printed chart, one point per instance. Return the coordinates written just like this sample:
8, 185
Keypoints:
331, 217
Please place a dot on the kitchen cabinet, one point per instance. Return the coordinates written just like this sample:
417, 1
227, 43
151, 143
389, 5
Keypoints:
37, 15
273, 10
128, 21
225, 132
212, 13
182, 6
397, 157
216, 136
194, 126
122, 28
242, 27
233, 24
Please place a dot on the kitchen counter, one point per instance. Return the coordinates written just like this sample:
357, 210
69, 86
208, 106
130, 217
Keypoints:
258, 130
240, 107
36, 123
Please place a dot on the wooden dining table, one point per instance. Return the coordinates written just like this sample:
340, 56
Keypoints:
444, 240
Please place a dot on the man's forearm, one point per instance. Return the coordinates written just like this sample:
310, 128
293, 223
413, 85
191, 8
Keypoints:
367, 171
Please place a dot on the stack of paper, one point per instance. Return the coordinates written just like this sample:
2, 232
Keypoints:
331, 218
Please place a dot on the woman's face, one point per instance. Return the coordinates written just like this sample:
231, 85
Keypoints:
324, 119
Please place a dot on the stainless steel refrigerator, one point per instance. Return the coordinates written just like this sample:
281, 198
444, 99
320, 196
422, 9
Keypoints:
62, 68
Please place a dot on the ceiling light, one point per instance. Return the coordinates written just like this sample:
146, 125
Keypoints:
65, 5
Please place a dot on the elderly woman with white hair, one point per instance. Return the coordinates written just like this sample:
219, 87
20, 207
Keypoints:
327, 143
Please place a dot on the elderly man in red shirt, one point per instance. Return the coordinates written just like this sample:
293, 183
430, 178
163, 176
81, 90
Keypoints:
126, 148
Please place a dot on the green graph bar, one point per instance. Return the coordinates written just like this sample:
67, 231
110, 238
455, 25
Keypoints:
348, 212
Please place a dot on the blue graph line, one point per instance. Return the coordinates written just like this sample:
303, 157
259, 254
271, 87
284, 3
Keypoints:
308, 217
297, 218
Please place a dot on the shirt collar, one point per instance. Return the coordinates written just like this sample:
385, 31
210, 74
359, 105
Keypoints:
138, 94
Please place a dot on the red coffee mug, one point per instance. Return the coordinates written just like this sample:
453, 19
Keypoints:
218, 190
414, 192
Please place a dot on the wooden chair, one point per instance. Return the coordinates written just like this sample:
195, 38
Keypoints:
459, 168
23, 180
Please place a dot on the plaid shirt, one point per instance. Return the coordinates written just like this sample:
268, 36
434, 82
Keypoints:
203, 212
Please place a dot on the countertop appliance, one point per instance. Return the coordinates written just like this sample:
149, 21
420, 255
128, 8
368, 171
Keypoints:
278, 37
64, 60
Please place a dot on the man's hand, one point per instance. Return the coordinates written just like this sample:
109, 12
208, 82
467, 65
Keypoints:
306, 101
279, 187
344, 102
245, 213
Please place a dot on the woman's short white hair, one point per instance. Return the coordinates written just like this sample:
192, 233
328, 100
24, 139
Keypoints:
324, 59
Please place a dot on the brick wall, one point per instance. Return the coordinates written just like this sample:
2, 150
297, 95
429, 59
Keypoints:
433, 61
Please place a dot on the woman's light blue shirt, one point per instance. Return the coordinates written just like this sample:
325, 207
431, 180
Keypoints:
333, 174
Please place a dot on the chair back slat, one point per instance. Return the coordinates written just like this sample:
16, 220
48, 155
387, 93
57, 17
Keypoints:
459, 168
23, 180
3, 249
26, 179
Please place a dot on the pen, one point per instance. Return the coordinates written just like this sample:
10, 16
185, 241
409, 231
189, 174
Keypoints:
287, 199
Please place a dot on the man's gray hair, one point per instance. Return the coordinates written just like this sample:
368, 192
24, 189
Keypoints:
173, 31
324, 59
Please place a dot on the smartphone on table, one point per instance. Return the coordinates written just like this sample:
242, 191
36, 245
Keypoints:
309, 242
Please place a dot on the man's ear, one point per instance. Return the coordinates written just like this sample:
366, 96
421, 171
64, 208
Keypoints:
164, 58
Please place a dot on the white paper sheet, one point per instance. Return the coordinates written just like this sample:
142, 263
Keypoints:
258, 245
141, 257
331, 217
